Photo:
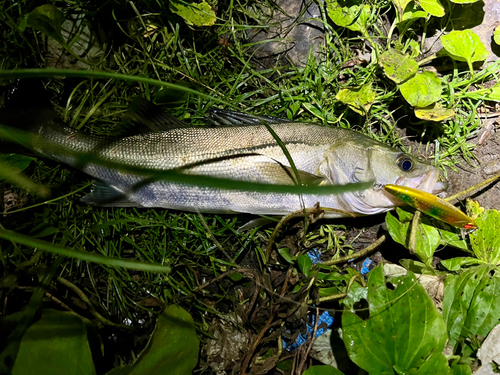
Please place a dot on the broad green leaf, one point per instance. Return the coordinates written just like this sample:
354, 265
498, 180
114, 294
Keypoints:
197, 14
411, 14
427, 241
464, 45
464, 1
460, 369
399, 231
397, 66
400, 7
56, 344
352, 15
47, 19
285, 253
305, 264
485, 240
355, 294
322, 370
404, 332
433, 7
484, 310
359, 99
496, 35
427, 237
422, 90
463, 295
20, 162
455, 264
172, 349
435, 112
454, 238
404, 215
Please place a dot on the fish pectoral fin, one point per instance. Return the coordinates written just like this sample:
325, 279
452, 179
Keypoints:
281, 174
233, 118
107, 196
143, 116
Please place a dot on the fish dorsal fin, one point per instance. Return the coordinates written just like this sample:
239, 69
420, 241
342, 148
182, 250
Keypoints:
233, 118
146, 117
105, 195
284, 175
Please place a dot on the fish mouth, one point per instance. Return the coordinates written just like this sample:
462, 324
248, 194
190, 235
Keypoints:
428, 182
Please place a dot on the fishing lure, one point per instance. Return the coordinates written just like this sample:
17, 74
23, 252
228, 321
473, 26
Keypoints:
431, 205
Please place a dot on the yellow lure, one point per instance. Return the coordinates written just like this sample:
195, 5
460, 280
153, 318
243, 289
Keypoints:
431, 205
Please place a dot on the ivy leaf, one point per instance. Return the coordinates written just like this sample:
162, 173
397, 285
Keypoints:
464, 45
352, 15
404, 332
359, 99
433, 7
434, 112
197, 14
397, 66
422, 90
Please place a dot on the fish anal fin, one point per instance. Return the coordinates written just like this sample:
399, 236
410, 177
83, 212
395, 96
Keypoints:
105, 195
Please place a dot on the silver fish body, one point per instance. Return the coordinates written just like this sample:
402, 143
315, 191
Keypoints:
323, 156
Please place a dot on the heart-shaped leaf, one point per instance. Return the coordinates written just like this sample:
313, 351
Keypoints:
197, 14
433, 7
352, 15
422, 90
397, 66
434, 112
464, 45
359, 99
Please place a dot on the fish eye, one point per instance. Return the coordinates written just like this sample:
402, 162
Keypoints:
405, 163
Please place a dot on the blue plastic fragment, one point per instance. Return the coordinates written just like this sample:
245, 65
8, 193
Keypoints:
315, 255
366, 264
301, 338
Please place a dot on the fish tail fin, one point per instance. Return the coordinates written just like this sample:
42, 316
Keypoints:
27, 109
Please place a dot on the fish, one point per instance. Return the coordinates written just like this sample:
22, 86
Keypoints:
432, 205
239, 147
